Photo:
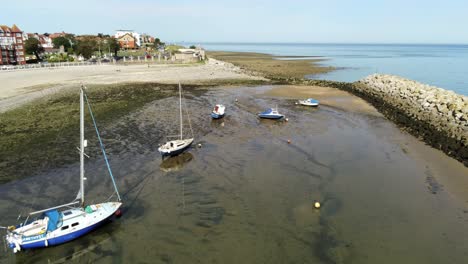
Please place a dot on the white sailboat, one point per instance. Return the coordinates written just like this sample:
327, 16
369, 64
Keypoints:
63, 223
177, 146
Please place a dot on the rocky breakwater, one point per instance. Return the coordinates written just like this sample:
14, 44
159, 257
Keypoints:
437, 116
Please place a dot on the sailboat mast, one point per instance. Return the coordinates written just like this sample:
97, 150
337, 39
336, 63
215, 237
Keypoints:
180, 110
82, 145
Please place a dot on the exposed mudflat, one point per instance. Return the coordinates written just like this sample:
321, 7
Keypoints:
246, 195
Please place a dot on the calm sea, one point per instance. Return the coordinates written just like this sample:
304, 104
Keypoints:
445, 66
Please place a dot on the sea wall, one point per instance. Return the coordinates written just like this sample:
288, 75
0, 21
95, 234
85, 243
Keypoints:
437, 116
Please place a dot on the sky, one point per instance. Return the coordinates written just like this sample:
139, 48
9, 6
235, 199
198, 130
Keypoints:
304, 21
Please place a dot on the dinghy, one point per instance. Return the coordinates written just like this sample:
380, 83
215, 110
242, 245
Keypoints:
175, 147
308, 102
271, 113
63, 223
218, 111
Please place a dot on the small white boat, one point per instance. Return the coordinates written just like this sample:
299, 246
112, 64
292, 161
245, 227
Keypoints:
308, 102
175, 147
218, 111
271, 113
63, 223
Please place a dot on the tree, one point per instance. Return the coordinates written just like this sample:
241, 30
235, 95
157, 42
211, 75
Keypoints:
33, 46
113, 45
86, 46
158, 44
61, 41
192, 47
72, 39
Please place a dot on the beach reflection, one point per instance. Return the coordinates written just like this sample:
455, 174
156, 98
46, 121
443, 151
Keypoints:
176, 163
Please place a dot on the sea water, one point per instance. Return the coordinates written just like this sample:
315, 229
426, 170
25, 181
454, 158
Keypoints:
444, 66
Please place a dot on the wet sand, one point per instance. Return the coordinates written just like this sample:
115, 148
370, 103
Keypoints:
246, 195
273, 66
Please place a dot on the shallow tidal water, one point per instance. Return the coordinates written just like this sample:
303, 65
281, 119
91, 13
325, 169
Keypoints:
246, 196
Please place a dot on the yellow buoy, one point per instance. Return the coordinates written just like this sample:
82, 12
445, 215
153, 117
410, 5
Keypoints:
317, 205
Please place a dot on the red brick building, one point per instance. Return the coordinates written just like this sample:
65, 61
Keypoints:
11, 45
127, 41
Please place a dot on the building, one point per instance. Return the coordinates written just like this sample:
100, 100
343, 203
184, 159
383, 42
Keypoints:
127, 41
11, 45
124, 37
44, 40
53, 36
146, 40
190, 55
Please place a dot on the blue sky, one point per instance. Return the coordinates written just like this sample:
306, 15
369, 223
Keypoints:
329, 21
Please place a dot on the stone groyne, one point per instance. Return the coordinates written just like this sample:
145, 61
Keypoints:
437, 116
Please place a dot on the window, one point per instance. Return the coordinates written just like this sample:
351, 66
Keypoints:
20, 41
64, 227
75, 224
67, 213
8, 34
20, 53
20, 46
18, 34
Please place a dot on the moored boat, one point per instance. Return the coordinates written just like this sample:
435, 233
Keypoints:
177, 146
308, 102
63, 223
218, 111
271, 113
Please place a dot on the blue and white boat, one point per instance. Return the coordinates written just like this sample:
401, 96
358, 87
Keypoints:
218, 111
63, 223
175, 147
308, 102
271, 113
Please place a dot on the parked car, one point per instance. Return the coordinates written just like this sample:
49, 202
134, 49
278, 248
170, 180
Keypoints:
7, 67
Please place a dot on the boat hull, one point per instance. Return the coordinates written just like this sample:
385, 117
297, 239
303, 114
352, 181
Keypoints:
65, 238
270, 116
87, 220
309, 104
216, 116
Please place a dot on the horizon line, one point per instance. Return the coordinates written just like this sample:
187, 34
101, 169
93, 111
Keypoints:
320, 43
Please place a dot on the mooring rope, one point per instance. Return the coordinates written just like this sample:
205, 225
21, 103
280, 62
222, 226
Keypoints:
102, 146
188, 117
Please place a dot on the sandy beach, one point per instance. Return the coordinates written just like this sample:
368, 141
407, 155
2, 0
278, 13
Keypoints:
22, 86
